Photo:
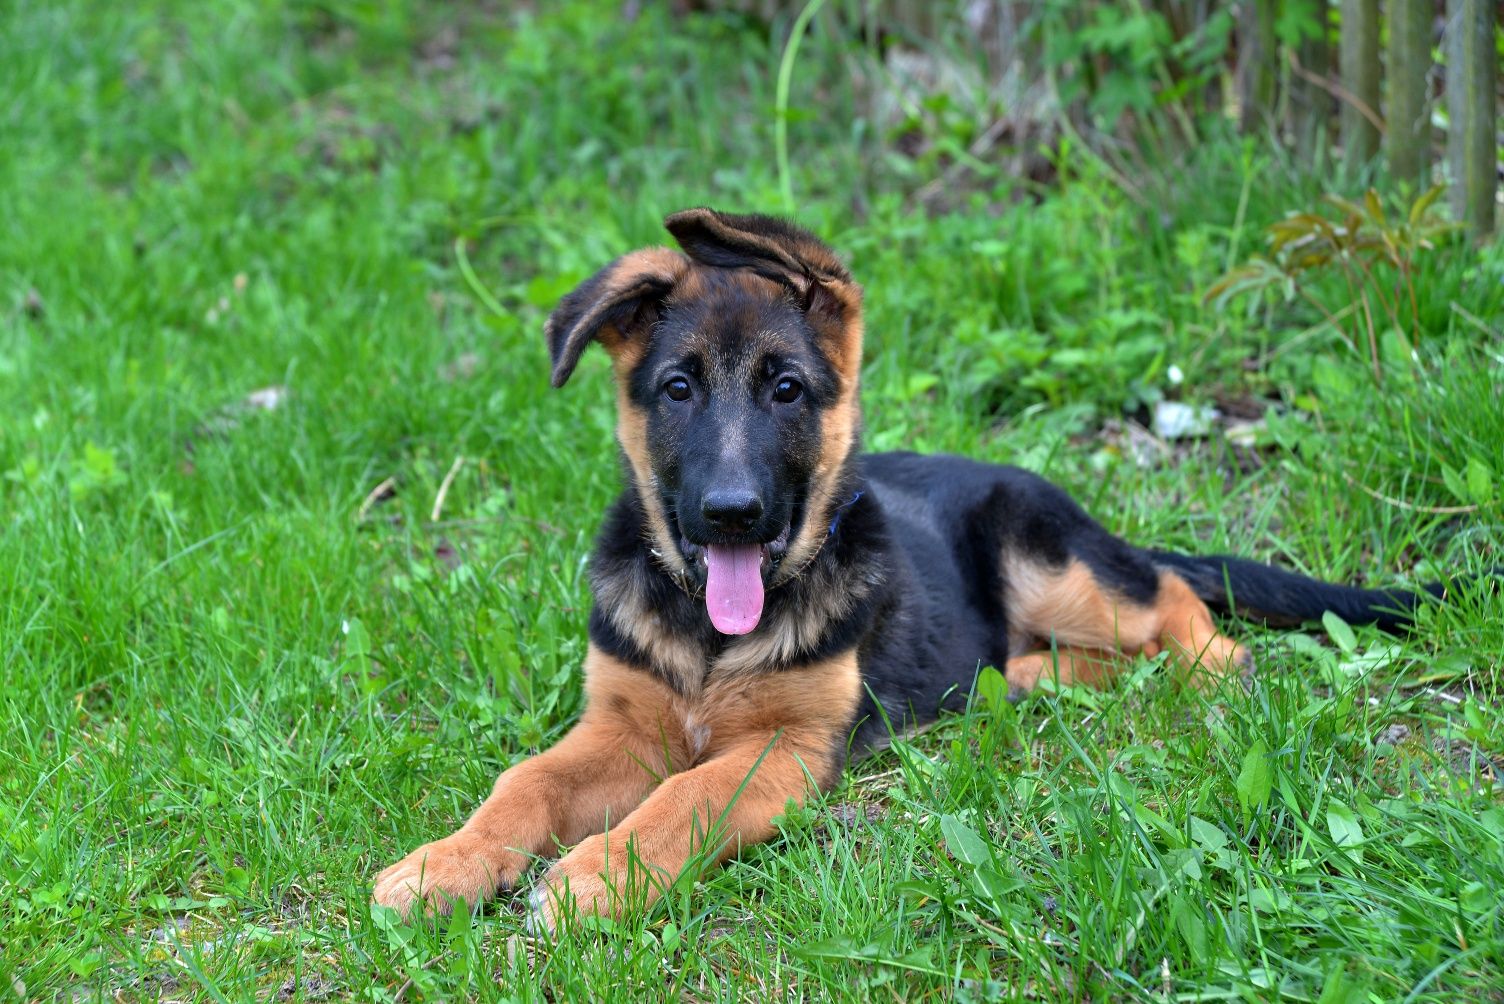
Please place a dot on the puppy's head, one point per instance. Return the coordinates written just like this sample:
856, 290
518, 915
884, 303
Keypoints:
736, 367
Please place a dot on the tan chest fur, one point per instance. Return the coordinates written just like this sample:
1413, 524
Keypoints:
729, 709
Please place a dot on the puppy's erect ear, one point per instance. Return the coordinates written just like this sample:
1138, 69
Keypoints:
786, 254
616, 306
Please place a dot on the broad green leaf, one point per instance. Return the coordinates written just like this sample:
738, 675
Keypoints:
1347, 833
100, 461
840, 947
237, 881
1476, 897
1455, 484
845, 947
1348, 206
1191, 924
1256, 779
1332, 379
357, 640
992, 885
964, 843
1340, 988
1183, 862
1480, 481
1340, 633
992, 687
1270, 900
919, 384
1208, 835
1418, 211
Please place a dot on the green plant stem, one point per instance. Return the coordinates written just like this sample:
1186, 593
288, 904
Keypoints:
1332, 319
781, 101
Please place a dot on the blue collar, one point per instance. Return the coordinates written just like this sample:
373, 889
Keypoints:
840, 511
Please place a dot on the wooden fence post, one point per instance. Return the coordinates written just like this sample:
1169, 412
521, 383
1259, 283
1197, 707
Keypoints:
1311, 105
1359, 54
1258, 64
1471, 113
1408, 113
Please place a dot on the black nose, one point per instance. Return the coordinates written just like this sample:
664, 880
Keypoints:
732, 510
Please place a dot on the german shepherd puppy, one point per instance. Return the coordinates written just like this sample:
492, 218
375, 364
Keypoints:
767, 600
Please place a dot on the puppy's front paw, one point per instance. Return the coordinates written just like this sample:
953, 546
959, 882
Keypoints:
579, 883
440, 875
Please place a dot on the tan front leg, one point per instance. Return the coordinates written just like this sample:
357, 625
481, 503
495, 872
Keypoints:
600, 771
774, 737
701, 816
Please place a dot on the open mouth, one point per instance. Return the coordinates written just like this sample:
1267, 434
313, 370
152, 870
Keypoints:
735, 577
769, 554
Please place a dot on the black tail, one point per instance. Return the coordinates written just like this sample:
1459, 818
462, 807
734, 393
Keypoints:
1251, 589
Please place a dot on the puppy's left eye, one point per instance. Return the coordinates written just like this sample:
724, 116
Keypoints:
787, 391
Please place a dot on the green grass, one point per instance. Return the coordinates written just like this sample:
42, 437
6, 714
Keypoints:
227, 701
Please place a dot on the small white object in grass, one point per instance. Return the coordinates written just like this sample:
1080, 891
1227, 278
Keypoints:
1175, 375
1177, 420
267, 398
535, 921
1245, 433
344, 627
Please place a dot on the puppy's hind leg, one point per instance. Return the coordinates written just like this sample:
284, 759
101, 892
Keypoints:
1093, 625
1097, 626
1065, 665
1187, 631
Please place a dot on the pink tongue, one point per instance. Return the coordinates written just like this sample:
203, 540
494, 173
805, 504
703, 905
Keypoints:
733, 587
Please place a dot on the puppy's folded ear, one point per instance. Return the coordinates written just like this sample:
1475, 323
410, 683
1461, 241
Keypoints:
786, 254
616, 306
769, 246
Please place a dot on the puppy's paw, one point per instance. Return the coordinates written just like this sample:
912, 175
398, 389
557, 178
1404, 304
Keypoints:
1246, 667
441, 875
1218, 663
580, 883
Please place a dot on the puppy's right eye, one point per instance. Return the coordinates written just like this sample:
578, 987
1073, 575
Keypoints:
677, 389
